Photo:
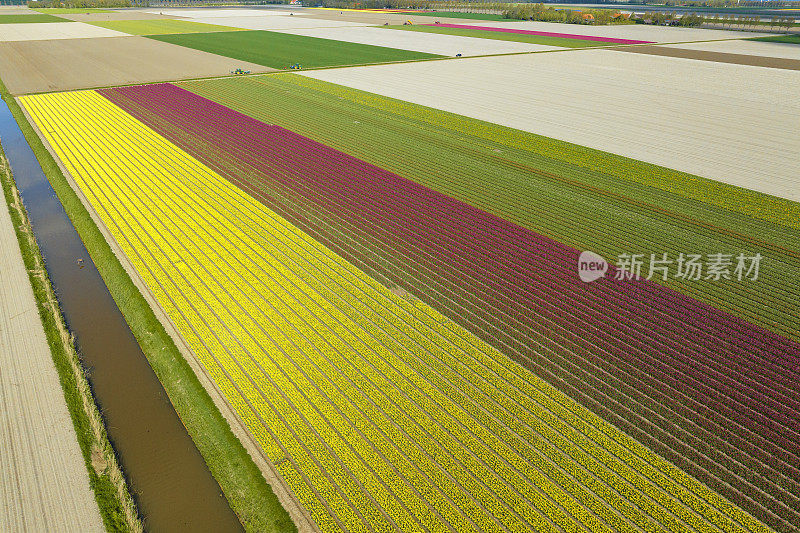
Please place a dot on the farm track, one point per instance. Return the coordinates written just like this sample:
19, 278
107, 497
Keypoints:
757, 448
276, 317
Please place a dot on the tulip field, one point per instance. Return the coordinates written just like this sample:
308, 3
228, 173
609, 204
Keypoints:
387, 296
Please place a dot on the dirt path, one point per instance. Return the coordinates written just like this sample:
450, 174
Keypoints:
44, 485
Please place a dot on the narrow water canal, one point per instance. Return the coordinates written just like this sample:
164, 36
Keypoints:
171, 483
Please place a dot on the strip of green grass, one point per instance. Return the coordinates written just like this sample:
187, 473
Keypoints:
245, 488
789, 39
503, 36
456, 15
161, 26
280, 50
28, 19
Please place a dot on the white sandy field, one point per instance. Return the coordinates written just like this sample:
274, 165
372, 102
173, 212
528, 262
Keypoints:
44, 486
283, 22
218, 12
750, 48
641, 32
432, 43
728, 122
40, 31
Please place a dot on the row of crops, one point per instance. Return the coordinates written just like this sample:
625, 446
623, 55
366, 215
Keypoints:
410, 359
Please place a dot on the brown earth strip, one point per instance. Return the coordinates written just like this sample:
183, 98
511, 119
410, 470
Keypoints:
67, 64
719, 57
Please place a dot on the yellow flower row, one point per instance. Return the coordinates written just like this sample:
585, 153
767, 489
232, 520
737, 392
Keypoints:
379, 412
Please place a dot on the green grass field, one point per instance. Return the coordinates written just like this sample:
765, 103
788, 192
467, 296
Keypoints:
503, 36
26, 19
789, 39
279, 50
455, 15
161, 26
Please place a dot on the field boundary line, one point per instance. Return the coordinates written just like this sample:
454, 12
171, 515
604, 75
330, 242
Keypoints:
286, 496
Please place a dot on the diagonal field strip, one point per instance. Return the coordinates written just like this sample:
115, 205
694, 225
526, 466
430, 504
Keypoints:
380, 412
719, 57
428, 42
557, 35
466, 32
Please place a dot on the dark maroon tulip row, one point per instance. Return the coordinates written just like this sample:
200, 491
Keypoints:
723, 373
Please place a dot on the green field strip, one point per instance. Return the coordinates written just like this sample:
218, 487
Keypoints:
161, 26
30, 19
789, 39
457, 15
280, 50
502, 36
576, 189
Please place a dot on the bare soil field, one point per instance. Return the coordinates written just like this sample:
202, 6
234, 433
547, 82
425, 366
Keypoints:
375, 19
720, 57
218, 12
272, 22
54, 30
722, 121
658, 34
754, 48
16, 10
44, 485
38, 66
116, 15
432, 43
